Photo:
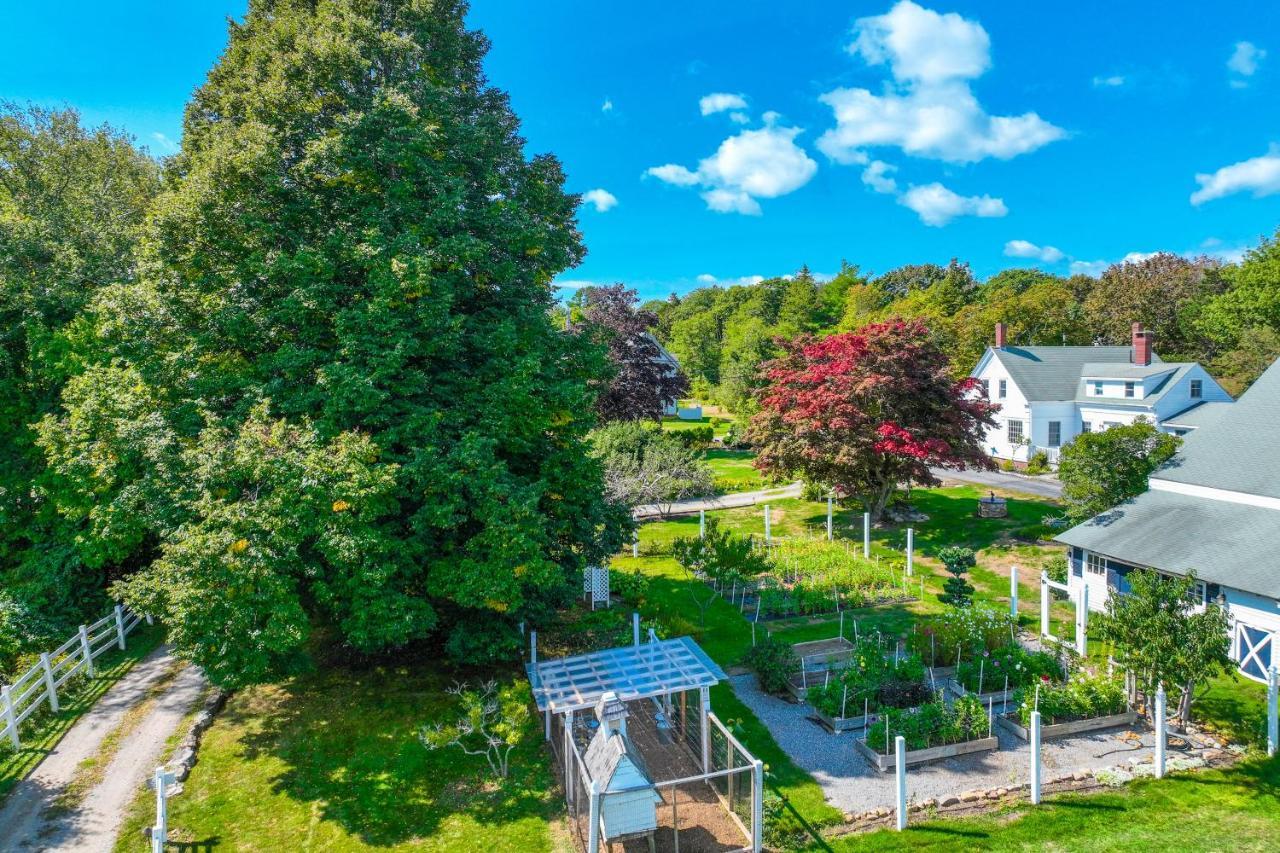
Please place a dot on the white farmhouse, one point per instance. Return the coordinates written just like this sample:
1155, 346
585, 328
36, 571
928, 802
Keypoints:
1212, 510
1049, 395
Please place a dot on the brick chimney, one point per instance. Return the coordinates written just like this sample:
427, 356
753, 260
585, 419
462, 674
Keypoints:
1001, 335
1142, 342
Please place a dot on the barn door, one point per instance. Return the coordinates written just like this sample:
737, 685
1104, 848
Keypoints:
1255, 651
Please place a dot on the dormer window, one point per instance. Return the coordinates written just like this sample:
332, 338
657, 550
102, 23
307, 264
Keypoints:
1128, 389
1004, 388
1097, 389
1197, 389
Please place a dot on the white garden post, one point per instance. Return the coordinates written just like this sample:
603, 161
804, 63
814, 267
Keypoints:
635, 628
704, 697
10, 720
900, 764
1044, 604
1082, 622
1013, 592
635, 545
593, 817
866, 535
1160, 700
119, 611
50, 685
160, 832
1035, 757
829, 516
702, 524
1273, 687
88, 654
757, 806
766, 524
911, 551
533, 647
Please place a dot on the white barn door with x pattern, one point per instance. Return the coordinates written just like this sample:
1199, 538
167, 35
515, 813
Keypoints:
1254, 650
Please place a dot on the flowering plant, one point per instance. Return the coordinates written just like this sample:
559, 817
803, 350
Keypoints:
1020, 667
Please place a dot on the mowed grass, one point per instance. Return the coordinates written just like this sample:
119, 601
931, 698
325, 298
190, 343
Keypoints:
733, 470
42, 731
1234, 810
331, 761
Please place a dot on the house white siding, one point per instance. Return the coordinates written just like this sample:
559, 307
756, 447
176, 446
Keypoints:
1178, 398
1013, 407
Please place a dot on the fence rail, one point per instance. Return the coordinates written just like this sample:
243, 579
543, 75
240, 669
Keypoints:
40, 684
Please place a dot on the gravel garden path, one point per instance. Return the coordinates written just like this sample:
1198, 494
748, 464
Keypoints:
852, 785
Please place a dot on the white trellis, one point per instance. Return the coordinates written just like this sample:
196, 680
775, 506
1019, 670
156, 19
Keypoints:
595, 585
1080, 601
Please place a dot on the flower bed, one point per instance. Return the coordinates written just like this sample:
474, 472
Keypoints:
811, 576
870, 682
961, 633
1085, 702
998, 674
932, 732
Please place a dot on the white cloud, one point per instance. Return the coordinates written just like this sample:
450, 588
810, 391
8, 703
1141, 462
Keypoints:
930, 110
603, 200
718, 102
1027, 249
1258, 175
936, 205
876, 176
709, 279
1088, 267
607, 106
574, 284
751, 165
1244, 59
1110, 81
167, 145
739, 117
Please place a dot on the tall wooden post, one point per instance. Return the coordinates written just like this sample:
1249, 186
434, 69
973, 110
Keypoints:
1035, 757
757, 806
1044, 604
1013, 592
866, 535
900, 765
704, 697
767, 533
911, 550
50, 685
10, 719
593, 815
1160, 731
702, 524
829, 518
119, 612
1082, 621
88, 653
1273, 687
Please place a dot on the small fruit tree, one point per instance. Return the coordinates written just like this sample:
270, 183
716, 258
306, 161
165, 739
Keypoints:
719, 557
491, 725
956, 590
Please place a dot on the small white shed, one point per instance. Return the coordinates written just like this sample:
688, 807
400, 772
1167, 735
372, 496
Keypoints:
628, 801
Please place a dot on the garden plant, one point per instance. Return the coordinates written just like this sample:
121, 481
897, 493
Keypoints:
935, 723
1084, 696
873, 681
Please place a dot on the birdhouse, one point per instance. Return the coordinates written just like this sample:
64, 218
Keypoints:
628, 800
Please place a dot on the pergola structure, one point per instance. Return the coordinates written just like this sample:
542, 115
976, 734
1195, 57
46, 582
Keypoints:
648, 675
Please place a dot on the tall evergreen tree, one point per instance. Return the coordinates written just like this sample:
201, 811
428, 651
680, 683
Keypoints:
335, 398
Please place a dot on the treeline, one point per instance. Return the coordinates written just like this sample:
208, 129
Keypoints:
1226, 316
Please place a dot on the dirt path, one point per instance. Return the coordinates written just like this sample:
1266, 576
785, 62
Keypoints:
730, 501
71, 803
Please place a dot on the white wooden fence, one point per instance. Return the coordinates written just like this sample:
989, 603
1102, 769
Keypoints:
40, 684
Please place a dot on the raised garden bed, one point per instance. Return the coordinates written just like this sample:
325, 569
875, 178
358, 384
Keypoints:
924, 756
1011, 724
843, 724
996, 697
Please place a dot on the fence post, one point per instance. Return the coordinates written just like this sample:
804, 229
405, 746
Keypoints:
10, 721
593, 815
911, 550
1160, 701
1273, 687
1035, 757
757, 806
635, 627
702, 524
1082, 621
900, 764
1013, 592
88, 653
160, 832
150, 621
866, 536
1044, 604
635, 545
766, 524
704, 700
829, 513
119, 626
49, 684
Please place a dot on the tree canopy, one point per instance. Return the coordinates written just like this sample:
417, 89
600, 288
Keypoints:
333, 396
1101, 469
864, 412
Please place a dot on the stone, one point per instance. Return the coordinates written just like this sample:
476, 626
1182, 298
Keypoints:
950, 801
970, 796
1212, 754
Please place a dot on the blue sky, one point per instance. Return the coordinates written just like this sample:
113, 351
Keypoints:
1058, 135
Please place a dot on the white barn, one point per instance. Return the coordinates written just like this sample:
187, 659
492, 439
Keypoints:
1049, 395
1214, 510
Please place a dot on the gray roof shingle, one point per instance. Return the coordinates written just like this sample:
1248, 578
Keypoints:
1054, 373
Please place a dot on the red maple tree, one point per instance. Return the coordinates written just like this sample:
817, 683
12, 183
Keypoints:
866, 411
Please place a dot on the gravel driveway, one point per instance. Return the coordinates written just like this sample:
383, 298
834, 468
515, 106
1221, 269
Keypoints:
852, 785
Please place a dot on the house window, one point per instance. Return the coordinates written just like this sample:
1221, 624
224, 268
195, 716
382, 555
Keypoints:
1055, 433
1196, 595
1015, 432
1095, 565
1197, 389
1004, 388
985, 386
1097, 389
1085, 426
1128, 389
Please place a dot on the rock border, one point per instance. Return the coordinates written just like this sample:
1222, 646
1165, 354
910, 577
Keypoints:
187, 751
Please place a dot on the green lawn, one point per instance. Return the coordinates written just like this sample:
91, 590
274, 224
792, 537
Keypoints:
719, 424
330, 761
733, 470
41, 732
1205, 811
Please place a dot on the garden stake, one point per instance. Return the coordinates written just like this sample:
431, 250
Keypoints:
844, 701
866, 711
757, 606
989, 718
841, 625
826, 681
982, 666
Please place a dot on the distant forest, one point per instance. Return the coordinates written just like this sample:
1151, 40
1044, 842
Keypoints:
1226, 316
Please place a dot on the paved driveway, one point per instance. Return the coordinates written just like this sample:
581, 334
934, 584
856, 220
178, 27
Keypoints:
1046, 487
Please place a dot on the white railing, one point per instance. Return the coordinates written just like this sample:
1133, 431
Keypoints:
41, 683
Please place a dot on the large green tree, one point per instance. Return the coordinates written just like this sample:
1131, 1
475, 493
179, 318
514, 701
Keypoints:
334, 397
1101, 469
72, 203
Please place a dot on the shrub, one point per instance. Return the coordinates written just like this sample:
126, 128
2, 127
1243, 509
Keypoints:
957, 590
1038, 463
774, 662
988, 671
874, 681
694, 437
1056, 567
632, 586
960, 632
1082, 697
933, 724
